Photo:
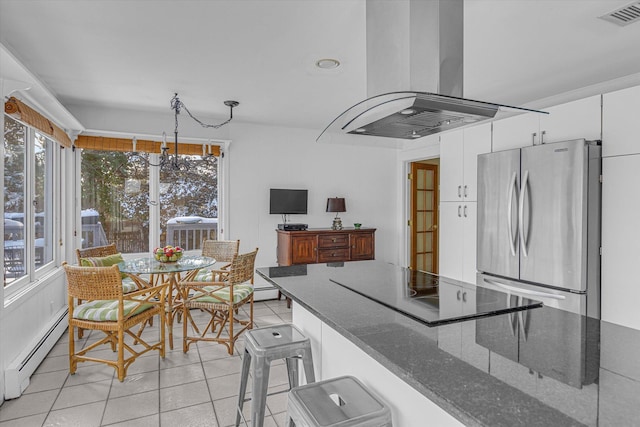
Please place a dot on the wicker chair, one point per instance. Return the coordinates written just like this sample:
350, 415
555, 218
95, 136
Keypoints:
129, 284
109, 310
221, 301
96, 251
222, 251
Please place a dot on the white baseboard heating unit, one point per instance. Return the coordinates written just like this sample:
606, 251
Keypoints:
20, 370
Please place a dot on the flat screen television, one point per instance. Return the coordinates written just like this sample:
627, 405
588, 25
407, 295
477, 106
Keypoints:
286, 201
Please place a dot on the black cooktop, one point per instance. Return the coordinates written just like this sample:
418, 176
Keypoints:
426, 297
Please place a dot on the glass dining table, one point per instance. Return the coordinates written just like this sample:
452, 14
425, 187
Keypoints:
165, 272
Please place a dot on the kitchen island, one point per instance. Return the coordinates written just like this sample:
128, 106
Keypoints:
517, 368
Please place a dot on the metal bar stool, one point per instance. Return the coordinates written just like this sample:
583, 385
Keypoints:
262, 346
337, 402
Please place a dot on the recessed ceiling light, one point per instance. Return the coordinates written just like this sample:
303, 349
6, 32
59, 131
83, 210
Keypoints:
327, 63
407, 111
360, 130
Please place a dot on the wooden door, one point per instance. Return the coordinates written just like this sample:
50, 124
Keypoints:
304, 249
424, 217
362, 246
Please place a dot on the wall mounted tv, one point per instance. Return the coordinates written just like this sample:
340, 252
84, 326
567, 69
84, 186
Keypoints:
284, 201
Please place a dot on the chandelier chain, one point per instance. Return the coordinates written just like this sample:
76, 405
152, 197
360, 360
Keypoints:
177, 105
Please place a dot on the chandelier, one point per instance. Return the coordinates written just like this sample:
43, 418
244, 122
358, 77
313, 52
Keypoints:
168, 162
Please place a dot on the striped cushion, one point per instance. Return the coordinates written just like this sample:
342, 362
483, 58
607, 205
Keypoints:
128, 285
240, 292
102, 261
106, 310
207, 276
204, 276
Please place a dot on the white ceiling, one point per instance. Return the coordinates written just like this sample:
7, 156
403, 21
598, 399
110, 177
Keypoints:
135, 54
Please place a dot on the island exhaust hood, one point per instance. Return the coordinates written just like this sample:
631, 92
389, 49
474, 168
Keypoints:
417, 45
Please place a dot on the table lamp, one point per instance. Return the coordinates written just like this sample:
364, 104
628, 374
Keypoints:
336, 204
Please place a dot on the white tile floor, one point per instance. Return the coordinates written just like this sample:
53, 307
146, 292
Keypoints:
198, 388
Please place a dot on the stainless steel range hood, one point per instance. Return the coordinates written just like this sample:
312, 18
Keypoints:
414, 74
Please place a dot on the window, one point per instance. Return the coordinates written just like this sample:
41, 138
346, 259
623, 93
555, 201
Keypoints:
29, 207
118, 202
189, 204
115, 201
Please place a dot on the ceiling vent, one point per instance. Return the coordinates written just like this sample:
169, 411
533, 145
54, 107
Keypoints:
625, 15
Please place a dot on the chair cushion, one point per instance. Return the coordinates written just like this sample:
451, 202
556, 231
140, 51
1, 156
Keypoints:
128, 285
208, 276
204, 276
240, 292
106, 310
104, 261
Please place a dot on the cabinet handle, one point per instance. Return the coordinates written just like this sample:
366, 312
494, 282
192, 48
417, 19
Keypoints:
465, 211
533, 138
542, 136
458, 295
459, 190
466, 193
464, 296
459, 207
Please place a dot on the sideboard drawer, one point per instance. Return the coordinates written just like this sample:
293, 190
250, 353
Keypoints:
328, 255
333, 241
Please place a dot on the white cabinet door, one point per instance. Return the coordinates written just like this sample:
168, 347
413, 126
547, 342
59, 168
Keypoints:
620, 292
620, 122
459, 161
451, 166
477, 140
469, 227
573, 120
451, 240
516, 132
457, 258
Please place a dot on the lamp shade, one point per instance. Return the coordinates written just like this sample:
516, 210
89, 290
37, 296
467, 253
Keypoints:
336, 204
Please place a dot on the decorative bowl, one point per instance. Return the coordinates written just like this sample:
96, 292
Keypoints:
168, 254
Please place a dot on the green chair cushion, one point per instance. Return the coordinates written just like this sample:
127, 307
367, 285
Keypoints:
240, 292
128, 285
106, 310
104, 261
204, 276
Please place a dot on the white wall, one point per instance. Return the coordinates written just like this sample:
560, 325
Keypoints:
264, 157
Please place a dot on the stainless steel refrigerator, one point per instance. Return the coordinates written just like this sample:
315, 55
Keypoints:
539, 223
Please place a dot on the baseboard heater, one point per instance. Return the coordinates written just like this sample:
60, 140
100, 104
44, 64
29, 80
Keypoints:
20, 370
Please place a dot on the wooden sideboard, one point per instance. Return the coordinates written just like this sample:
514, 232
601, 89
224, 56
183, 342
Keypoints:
325, 245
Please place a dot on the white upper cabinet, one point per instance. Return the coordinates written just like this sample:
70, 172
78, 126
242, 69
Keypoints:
621, 122
573, 120
477, 140
516, 132
620, 240
451, 166
459, 162
457, 237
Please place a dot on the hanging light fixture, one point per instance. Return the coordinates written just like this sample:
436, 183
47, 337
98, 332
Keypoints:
174, 162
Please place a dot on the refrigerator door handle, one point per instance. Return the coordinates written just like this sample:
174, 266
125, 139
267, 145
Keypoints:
512, 240
524, 291
523, 192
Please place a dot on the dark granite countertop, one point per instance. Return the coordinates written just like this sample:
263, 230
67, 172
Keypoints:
536, 367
